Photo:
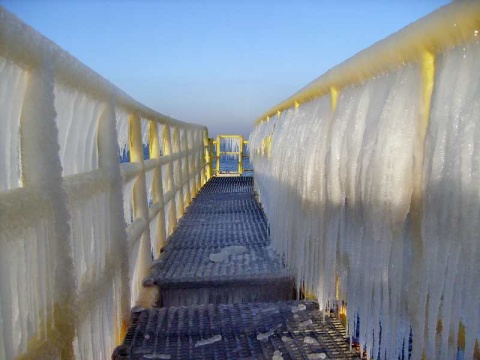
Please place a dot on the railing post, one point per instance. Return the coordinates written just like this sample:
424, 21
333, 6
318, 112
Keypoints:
140, 206
240, 156
207, 157
108, 160
199, 160
157, 190
191, 164
416, 210
42, 170
178, 173
184, 147
167, 151
218, 153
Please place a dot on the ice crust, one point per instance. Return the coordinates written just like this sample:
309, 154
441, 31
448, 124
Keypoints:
317, 356
363, 210
208, 341
67, 273
227, 251
309, 340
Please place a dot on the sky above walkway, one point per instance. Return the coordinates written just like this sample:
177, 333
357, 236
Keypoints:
221, 63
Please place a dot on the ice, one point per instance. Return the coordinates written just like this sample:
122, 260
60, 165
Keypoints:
12, 89
266, 335
316, 356
209, 341
306, 323
371, 206
286, 339
311, 341
77, 120
277, 355
226, 252
297, 308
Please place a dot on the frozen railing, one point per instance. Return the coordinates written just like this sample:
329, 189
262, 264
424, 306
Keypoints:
370, 179
71, 263
229, 147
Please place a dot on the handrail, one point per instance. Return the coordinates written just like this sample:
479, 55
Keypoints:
29, 49
369, 178
65, 231
451, 25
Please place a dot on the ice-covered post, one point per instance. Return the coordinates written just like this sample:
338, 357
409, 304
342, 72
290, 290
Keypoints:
415, 300
197, 160
170, 188
178, 173
191, 163
108, 161
157, 189
184, 148
240, 155
140, 205
217, 154
42, 170
207, 157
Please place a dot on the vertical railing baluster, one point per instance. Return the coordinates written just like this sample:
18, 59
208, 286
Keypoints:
178, 173
206, 160
42, 170
157, 189
108, 160
240, 156
186, 167
218, 154
210, 151
167, 151
140, 206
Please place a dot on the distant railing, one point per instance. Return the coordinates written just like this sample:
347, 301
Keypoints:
231, 146
73, 253
370, 180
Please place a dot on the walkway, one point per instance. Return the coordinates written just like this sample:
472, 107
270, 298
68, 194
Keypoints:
219, 253
219, 264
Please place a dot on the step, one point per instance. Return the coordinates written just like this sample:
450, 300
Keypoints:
280, 330
220, 251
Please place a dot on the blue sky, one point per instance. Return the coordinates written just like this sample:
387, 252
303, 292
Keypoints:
218, 63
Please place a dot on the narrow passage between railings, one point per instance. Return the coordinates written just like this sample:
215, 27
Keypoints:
225, 293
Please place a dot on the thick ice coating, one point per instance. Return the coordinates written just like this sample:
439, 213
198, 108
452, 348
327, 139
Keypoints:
373, 197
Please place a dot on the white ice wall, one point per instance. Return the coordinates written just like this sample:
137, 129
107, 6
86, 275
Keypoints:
337, 186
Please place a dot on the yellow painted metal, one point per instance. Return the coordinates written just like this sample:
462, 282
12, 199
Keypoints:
186, 174
448, 26
210, 151
207, 158
170, 188
333, 99
140, 205
157, 184
217, 155
240, 151
178, 176
428, 77
240, 157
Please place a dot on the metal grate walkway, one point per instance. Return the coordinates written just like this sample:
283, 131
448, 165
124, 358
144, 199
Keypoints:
233, 308
282, 330
226, 224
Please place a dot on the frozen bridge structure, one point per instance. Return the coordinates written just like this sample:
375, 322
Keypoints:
118, 236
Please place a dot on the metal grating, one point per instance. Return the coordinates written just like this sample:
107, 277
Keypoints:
224, 214
287, 330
